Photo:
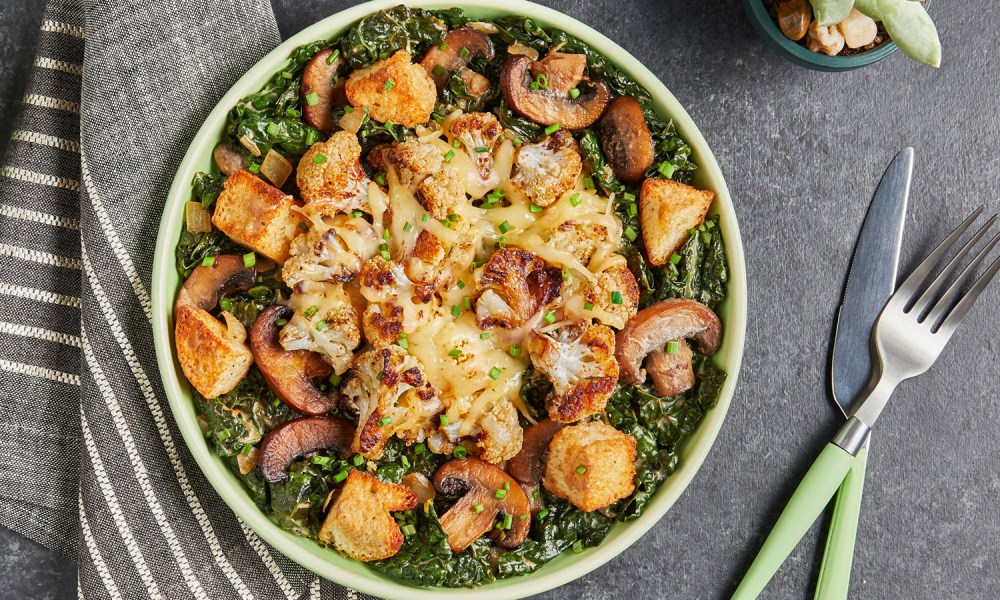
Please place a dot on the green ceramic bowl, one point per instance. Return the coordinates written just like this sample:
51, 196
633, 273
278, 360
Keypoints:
794, 52
327, 562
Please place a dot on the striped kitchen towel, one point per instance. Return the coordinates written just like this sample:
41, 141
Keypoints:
91, 463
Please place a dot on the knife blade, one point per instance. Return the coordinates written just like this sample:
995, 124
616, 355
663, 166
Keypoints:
871, 280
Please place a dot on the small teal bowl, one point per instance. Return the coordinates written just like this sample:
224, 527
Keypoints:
791, 51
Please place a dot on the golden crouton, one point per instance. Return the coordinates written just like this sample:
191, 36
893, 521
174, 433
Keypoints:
669, 210
359, 524
591, 465
394, 90
257, 215
213, 355
330, 176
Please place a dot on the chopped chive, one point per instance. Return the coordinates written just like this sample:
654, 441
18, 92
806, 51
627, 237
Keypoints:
208, 261
380, 179
495, 373
504, 227
312, 99
616, 297
254, 167
419, 448
460, 452
673, 347
456, 310
321, 325
438, 70
358, 460
452, 217
533, 85
454, 353
272, 128
630, 233
501, 242
543, 81
478, 507
348, 109
281, 322
357, 214
500, 494
515, 350
481, 149
456, 144
578, 546
226, 304
437, 117
286, 75
464, 53
294, 113
506, 485
335, 379
249, 259
574, 93
403, 343
407, 227
588, 182
384, 421
666, 169
389, 84
574, 200
340, 476
550, 317
333, 57
311, 137
321, 460
450, 155
543, 513
581, 470
706, 238
588, 306
633, 210
425, 218
675, 258
385, 255
444, 419
628, 196
379, 375
565, 274
467, 303
408, 529
517, 142
443, 45
523, 517
309, 312
484, 336
552, 128
535, 208
404, 461
508, 520
385, 234
460, 284
710, 224
319, 159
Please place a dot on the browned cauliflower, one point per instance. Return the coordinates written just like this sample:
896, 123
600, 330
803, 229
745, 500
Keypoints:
389, 293
545, 171
389, 392
325, 322
496, 429
433, 267
394, 90
513, 285
479, 133
421, 168
615, 292
580, 362
332, 250
580, 238
330, 176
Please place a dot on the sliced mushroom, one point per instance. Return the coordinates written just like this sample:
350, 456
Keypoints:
288, 374
672, 374
229, 158
297, 437
207, 284
651, 328
794, 17
441, 62
625, 139
548, 107
562, 71
529, 464
487, 492
320, 78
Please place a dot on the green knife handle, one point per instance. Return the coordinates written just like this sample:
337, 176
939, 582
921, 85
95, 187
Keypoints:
810, 498
835, 572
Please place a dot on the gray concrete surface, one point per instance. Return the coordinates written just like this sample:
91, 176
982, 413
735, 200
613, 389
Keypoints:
802, 152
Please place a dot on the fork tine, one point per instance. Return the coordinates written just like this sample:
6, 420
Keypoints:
927, 299
940, 307
963, 306
907, 291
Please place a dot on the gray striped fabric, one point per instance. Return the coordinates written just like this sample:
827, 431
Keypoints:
91, 463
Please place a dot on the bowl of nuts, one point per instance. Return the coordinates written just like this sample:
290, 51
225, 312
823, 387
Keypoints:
840, 35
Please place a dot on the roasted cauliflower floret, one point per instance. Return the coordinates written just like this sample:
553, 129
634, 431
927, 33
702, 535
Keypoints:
325, 322
334, 249
441, 192
545, 171
432, 267
330, 176
591, 464
257, 215
389, 392
479, 133
580, 238
394, 90
359, 523
513, 285
580, 362
413, 160
616, 294
390, 301
500, 435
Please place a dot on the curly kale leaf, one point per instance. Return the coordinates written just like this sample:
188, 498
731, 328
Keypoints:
534, 388
701, 272
525, 129
523, 30
379, 35
597, 164
399, 459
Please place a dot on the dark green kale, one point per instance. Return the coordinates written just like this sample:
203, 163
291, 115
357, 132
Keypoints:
534, 388
297, 504
526, 129
399, 459
372, 133
600, 170
379, 35
523, 30
270, 289
700, 271
194, 247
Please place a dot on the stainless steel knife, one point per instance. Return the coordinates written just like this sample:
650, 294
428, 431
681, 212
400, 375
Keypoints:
870, 281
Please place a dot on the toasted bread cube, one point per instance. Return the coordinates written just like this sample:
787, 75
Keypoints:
591, 465
669, 210
359, 524
213, 355
394, 90
257, 215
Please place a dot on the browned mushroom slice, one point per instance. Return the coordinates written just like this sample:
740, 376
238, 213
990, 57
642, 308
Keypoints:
488, 492
322, 90
292, 439
562, 71
548, 107
651, 328
287, 373
529, 464
207, 284
229, 158
440, 62
672, 374
625, 139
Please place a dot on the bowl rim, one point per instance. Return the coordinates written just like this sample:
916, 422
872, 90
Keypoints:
767, 29
326, 562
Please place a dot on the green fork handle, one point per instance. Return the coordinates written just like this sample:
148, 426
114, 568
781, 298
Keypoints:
835, 572
810, 498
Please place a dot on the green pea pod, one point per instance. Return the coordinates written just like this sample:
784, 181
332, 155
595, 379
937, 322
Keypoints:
909, 25
869, 8
831, 12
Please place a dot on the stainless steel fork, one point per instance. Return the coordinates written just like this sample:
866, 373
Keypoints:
910, 334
